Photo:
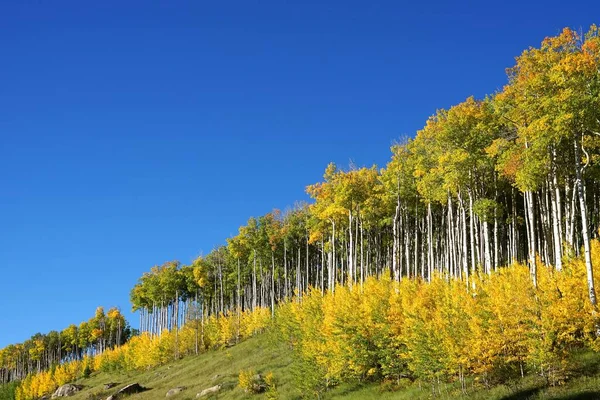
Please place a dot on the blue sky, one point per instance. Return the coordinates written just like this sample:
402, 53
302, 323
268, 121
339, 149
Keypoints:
132, 133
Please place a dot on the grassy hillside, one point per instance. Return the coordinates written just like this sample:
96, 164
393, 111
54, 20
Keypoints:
7, 392
262, 356
198, 373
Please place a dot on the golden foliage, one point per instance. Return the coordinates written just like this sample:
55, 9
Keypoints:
146, 351
498, 327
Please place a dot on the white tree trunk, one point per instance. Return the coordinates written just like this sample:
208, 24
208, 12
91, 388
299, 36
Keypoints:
556, 223
530, 215
254, 294
465, 254
486, 246
584, 225
350, 260
395, 243
472, 232
429, 243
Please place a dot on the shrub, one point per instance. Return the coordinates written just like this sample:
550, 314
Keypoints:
251, 382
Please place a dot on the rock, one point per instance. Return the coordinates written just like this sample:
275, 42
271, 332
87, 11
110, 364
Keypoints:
66, 390
110, 385
258, 384
210, 390
258, 387
176, 390
127, 390
131, 389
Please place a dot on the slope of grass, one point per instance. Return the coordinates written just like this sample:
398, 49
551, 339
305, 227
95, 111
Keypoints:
7, 392
199, 372
584, 385
262, 356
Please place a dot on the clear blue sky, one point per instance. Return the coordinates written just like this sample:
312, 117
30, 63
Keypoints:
132, 133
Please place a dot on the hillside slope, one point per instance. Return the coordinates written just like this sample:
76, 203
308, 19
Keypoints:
262, 356
198, 372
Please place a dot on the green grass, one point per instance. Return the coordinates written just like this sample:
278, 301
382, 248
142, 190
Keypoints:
201, 372
262, 356
584, 385
7, 392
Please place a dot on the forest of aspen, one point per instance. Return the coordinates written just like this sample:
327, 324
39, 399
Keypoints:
472, 256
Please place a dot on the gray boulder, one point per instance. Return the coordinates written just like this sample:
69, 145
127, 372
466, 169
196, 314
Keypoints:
258, 384
210, 390
66, 390
127, 390
175, 391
